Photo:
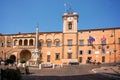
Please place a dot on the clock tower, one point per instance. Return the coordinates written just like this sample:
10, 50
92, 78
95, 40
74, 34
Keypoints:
70, 22
70, 36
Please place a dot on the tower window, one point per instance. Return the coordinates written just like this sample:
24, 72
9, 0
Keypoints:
70, 42
69, 26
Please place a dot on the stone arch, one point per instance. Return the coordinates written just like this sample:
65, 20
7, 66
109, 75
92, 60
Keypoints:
13, 57
25, 54
25, 42
49, 42
15, 42
31, 42
20, 42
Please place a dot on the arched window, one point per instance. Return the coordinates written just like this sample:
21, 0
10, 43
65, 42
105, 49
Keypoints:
8, 43
20, 42
2, 43
31, 42
69, 26
15, 42
25, 42
40, 43
57, 42
49, 43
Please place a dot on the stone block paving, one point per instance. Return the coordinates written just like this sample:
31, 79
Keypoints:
110, 71
67, 73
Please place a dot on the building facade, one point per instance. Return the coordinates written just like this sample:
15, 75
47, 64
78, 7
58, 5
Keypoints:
69, 45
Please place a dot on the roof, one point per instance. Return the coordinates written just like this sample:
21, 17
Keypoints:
60, 31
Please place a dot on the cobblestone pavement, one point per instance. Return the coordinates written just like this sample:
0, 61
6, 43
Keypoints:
82, 72
75, 72
110, 71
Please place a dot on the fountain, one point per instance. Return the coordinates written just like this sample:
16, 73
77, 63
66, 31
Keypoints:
35, 54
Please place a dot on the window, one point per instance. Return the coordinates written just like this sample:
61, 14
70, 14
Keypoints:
103, 58
25, 42
57, 43
69, 42
80, 59
81, 32
57, 56
103, 30
69, 55
69, 26
20, 42
81, 42
89, 51
81, 52
15, 42
49, 43
40, 44
31, 42
89, 43
8, 43
89, 31
48, 58
2, 43
103, 50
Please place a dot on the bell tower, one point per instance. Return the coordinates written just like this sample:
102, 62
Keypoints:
70, 21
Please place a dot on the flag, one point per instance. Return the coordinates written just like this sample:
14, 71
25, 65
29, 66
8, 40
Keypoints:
103, 39
91, 39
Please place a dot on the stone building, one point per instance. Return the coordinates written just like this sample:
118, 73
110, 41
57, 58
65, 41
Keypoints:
69, 45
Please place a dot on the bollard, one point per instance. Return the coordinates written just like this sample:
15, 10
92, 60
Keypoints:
61, 65
53, 66
40, 66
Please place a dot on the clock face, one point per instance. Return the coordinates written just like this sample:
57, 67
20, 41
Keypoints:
69, 18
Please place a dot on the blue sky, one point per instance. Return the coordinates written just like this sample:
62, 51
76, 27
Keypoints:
23, 15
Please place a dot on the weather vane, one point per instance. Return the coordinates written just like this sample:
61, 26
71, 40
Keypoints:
69, 10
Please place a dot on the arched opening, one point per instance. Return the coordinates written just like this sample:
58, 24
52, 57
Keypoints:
69, 26
13, 57
25, 42
25, 54
20, 42
57, 42
8, 43
40, 43
49, 42
15, 42
31, 42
